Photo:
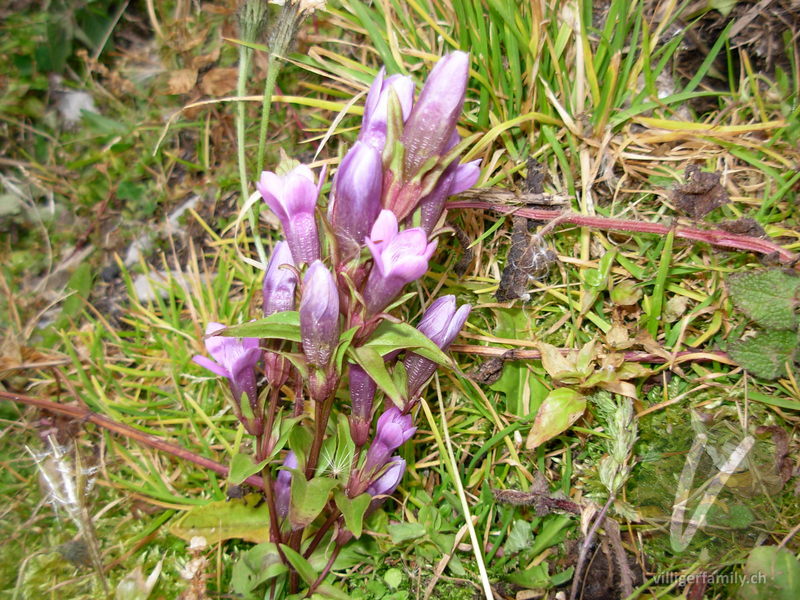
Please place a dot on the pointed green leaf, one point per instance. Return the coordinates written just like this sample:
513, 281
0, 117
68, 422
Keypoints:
244, 518
242, 466
256, 566
389, 337
371, 361
308, 497
280, 326
558, 411
300, 564
353, 510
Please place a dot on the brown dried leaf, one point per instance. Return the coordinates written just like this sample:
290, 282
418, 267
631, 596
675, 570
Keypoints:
218, 82
204, 60
701, 193
181, 81
744, 226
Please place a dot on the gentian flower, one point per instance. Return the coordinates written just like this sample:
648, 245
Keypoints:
293, 198
392, 431
283, 485
441, 323
279, 283
234, 359
387, 483
356, 197
400, 258
319, 315
362, 394
432, 122
376, 108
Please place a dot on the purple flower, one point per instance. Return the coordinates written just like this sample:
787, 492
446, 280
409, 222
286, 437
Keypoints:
362, 394
319, 315
283, 485
393, 430
279, 283
432, 122
235, 359
441, 323
293, 198
387, 483
455, 179
376, 108
400, 258
356, 198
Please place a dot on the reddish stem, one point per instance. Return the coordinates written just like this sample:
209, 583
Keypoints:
81, 413
717, 237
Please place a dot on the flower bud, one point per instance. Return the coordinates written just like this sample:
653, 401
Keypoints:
441, 323
393, 430
376, 108
293, 198
455, 179
356, 198
279, 283
319, 315
432, 122
283, 485
362, 394
387, 483
400, 258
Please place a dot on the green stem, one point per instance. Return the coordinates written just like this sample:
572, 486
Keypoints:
241, 90
273, 68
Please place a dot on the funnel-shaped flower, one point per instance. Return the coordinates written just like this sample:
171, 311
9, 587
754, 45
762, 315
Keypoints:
319, 315
376, 108
393, 430
235, 359
362, 394
293, 198
279, 283
283, 484
387, 483
400, 258
432, 121
441, 323
356, 198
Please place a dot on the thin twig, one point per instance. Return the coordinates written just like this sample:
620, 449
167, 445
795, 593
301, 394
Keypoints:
587, 543
716, 237
83, 414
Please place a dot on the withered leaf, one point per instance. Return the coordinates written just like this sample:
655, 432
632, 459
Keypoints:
744, 226
181, 81
220, 81
528, 259
701, 193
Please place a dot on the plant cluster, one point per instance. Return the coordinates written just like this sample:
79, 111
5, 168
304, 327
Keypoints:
348, 268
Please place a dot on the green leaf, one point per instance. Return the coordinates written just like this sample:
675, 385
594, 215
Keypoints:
300, 564
353, 510
344, 343
533, 578
244, 518
772, 574
765, 355
283, 427
256, 566
519, 537
402, 532
768, 297
281, 326
329, 592
308, 497
371, 361
242, 466
560, 409
389, 337
393, 578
